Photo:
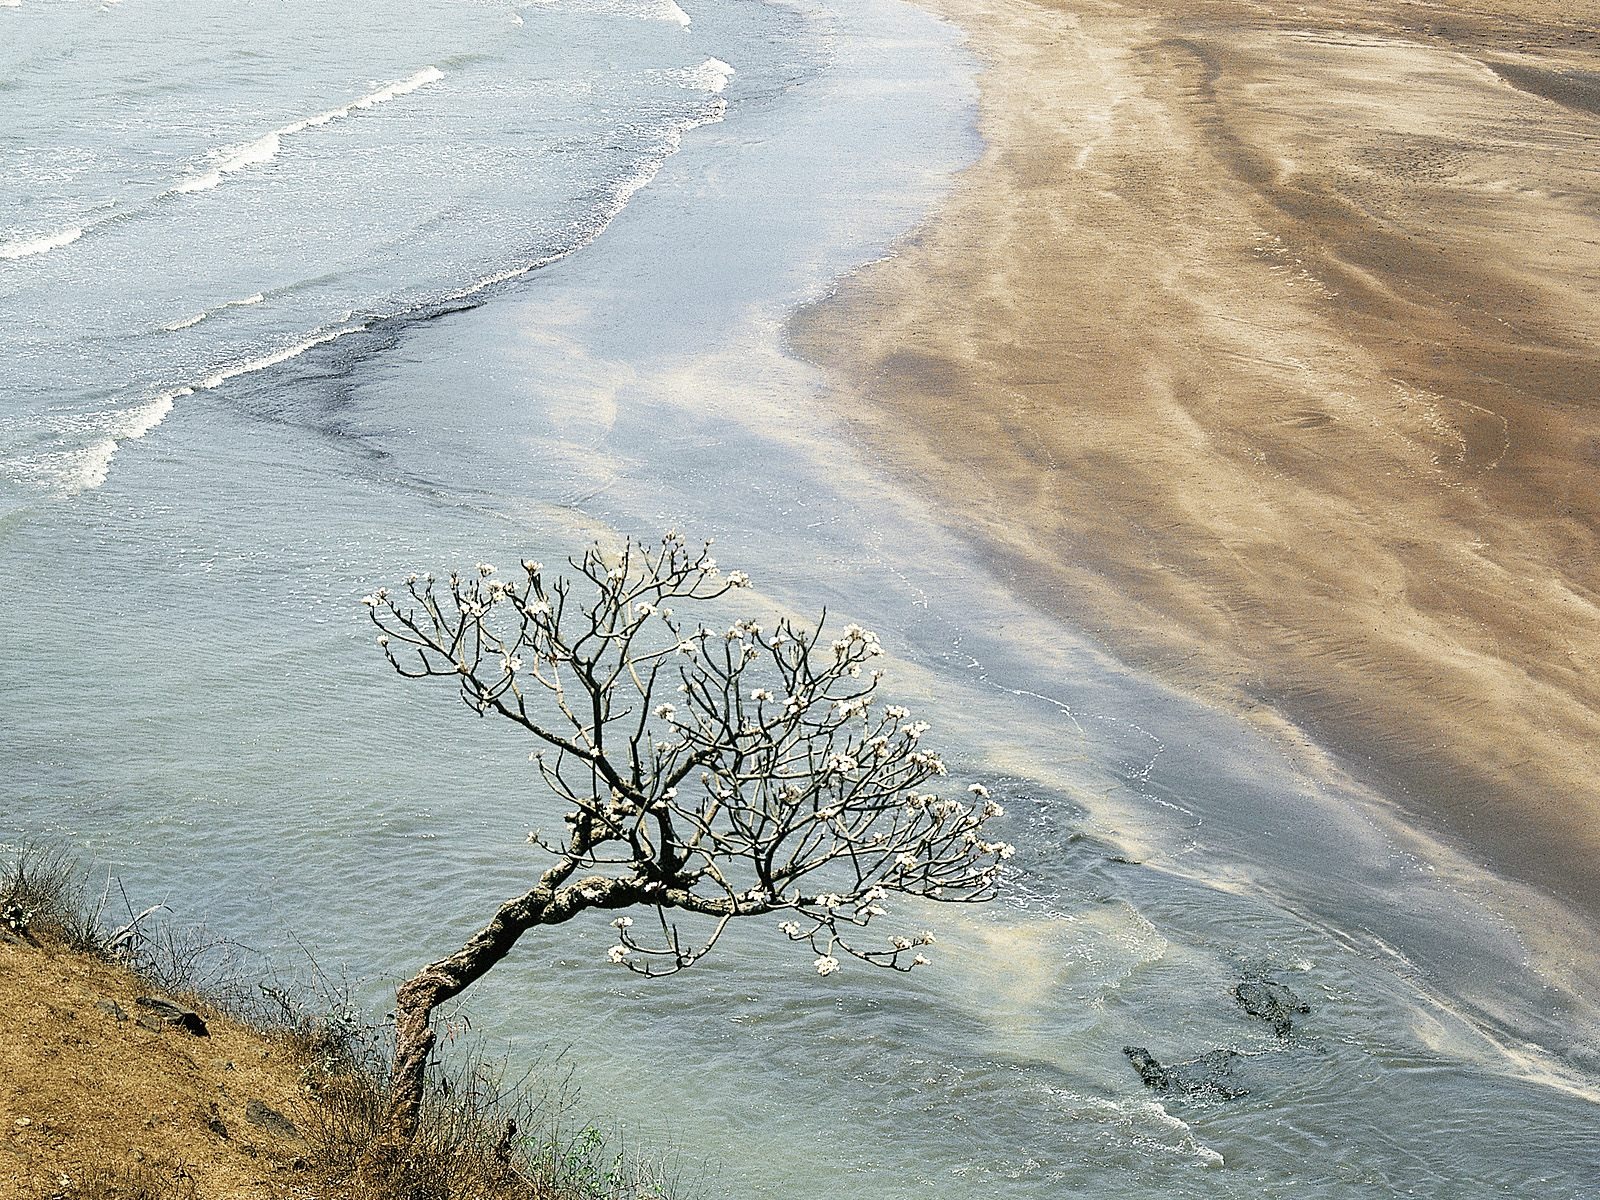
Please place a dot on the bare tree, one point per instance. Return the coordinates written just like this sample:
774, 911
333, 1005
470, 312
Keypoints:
711, 774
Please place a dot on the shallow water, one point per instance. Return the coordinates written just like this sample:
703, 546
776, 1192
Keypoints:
192, 697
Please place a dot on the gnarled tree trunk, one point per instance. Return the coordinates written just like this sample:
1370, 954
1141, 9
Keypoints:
440, 982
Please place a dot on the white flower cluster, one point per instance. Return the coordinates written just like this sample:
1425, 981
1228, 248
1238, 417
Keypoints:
854, 636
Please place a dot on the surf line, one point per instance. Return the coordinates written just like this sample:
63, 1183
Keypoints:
266, 147
85, 469
710, 77
230, 160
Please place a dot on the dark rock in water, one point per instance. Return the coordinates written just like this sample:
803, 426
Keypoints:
1211, 1075
174, 1014
1270, 1001
269, 1119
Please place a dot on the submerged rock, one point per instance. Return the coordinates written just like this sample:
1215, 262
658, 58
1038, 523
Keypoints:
1211, 1075
1270, 1001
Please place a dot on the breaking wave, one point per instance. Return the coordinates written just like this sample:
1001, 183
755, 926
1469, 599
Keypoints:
87, 466
710, 76
28, 247
265, 149
280, 356
190, 322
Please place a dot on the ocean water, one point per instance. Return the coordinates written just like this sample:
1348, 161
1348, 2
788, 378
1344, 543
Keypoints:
300, 298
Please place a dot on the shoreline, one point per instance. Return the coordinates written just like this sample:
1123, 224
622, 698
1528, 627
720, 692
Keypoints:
1259, 349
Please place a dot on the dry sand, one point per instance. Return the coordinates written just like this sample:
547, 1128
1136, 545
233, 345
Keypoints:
1264, 343
84, 1094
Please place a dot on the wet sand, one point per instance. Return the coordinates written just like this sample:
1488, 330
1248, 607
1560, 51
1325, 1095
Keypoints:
1264, 342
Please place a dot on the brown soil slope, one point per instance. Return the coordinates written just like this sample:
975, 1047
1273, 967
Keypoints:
84, 1094
1264, 341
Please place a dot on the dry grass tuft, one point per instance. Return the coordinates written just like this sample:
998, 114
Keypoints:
163, 1180
83, 1088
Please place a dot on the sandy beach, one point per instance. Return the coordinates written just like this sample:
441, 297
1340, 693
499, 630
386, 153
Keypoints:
1262, 343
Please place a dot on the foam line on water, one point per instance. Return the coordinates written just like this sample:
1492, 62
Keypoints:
88, 467
44, 243
710, 76
264, 149
279, 356
207, 314
668, 10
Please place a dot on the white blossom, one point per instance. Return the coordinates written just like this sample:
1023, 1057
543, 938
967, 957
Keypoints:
826, 965
617, 954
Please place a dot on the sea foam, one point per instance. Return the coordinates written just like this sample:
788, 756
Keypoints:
86, 467
279, 356
28, 247
267, 147
710, 76
190, 322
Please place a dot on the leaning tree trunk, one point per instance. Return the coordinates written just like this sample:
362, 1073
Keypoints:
442, 981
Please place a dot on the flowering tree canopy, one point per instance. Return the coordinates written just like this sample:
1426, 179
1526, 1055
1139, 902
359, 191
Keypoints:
711, 773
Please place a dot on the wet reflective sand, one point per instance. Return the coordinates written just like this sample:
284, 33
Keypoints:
1261, 342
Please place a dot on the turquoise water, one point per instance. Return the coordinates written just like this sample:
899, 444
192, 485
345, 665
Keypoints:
546, 269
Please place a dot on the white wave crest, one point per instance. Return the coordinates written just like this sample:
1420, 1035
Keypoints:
280, 356
267, 147
86, 469
668, 10
262, 150
28, 247
190, 322
10, 3
710, 76
139, 421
